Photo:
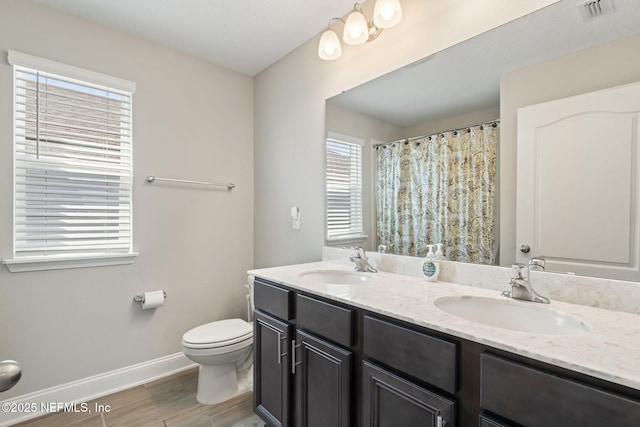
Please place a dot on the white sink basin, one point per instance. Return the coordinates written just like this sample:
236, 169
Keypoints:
337, 277
514, 315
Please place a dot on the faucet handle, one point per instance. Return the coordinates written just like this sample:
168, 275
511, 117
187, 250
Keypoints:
537, 263
519, 271
358, 252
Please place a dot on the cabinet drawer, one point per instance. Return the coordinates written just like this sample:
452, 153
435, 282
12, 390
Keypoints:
427, 358
273, 299
324, 319
535, 398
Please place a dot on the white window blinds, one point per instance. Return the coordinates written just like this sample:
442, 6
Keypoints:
72, 142
344, 189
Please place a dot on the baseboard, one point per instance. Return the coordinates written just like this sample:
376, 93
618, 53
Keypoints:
93, 387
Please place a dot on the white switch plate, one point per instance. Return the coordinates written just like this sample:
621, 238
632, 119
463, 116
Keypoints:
295, 217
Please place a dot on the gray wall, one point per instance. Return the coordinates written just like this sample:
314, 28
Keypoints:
192, 120
289, 109
609, 65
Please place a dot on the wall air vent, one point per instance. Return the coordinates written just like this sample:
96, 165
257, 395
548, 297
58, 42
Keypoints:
593, 9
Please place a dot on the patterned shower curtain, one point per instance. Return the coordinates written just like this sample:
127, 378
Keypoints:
440, 189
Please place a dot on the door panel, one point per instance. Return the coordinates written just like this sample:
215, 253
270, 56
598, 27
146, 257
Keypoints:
578, 183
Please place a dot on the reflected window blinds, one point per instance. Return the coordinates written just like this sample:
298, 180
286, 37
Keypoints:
72, 164
344, 189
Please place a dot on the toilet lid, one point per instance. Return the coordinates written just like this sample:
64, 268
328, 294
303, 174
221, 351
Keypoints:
222, 332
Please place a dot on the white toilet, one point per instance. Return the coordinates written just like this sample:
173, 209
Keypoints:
221, 348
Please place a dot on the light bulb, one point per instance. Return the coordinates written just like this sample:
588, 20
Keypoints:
329, 47
387, 13
355, 29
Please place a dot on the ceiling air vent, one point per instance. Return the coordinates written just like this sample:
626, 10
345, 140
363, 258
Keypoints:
592, 9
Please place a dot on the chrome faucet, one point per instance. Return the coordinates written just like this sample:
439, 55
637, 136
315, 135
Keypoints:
361, 261
521, 286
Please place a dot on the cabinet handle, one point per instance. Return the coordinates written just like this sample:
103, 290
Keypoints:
440, 421
280, 352
293, 356
279, 348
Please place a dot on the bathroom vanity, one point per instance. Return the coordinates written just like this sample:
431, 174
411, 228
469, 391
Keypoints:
338, 348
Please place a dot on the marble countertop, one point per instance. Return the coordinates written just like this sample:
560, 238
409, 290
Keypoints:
610, 350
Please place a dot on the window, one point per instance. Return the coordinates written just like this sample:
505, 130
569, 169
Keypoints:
344, 189
72, 166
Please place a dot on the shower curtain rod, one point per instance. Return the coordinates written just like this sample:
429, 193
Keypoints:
487, 122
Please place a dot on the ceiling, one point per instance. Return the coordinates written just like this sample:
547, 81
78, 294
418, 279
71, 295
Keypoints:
249, 35
466, 77
244, 35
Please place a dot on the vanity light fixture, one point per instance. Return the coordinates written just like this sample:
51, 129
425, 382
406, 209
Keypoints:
357, 30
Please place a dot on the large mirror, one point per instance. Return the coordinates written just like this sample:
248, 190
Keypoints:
465, 85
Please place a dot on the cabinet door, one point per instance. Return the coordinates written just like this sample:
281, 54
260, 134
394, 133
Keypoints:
391, 401
323, 374
272, 380
486, 421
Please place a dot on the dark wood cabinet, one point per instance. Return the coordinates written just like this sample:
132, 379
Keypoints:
323, 379
392, 401
272, 380
320, 363
295, 368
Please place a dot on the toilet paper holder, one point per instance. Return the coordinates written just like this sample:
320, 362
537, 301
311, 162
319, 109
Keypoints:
140, 298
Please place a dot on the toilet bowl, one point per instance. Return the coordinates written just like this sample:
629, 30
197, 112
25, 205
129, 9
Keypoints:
221, 348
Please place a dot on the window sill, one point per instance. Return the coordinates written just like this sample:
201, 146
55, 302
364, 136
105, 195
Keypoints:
353, 238
40, 263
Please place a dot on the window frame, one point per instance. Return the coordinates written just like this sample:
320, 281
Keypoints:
351, 235
23, 263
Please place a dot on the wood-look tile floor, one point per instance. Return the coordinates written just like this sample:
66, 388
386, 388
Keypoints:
168, 402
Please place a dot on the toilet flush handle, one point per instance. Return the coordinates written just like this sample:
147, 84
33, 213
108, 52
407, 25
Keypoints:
10, 373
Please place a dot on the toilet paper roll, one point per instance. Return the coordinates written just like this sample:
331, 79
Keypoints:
153, 299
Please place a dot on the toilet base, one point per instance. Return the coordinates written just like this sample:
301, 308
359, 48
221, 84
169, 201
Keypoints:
217, 383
